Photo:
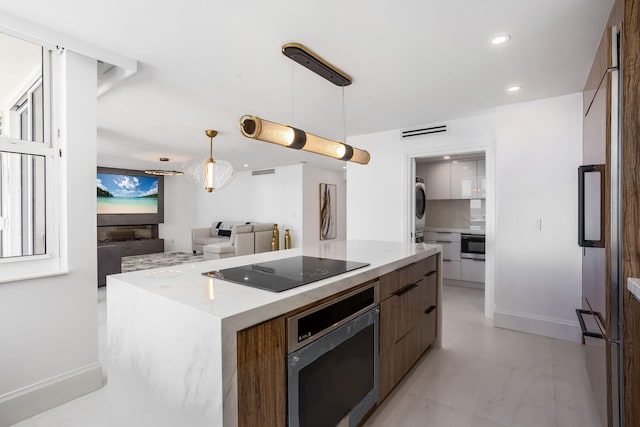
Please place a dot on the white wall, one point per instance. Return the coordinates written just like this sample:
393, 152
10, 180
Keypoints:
532, 152
48, 326
539, 149
313, 177
379, 193
180, 213
275, 198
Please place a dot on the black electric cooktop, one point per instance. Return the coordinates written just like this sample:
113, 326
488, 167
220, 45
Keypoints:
287, 273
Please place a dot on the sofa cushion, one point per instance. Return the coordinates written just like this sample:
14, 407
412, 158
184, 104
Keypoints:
223, 228
218, 248
224, 233
208, 240
239, 229
262, 227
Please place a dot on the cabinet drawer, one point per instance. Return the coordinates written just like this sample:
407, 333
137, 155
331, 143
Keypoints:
400, 312
472, 270
442, 235
450, 250
388, 284
451, 270
428, 328
400, 279
429, 264
431, 290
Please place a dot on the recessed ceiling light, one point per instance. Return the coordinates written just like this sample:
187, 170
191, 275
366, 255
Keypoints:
246, 165
501, 39
446, 157
344, 167
514, 88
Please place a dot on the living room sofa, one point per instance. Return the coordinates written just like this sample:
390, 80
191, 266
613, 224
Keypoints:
228, 238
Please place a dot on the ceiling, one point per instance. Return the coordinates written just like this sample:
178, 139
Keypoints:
202, 65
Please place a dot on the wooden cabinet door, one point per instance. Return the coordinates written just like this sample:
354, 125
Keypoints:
438, 181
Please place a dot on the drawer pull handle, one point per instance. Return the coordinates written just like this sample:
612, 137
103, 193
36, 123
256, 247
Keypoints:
444, 241
407, 266
405, 290
430, 309
431, 273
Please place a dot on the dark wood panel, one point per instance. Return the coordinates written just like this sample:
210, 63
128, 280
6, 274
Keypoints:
262, 397
631, 210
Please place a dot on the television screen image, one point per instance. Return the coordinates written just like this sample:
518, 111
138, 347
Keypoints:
126, 194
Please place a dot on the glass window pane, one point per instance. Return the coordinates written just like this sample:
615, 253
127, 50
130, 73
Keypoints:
22, 204
21, 89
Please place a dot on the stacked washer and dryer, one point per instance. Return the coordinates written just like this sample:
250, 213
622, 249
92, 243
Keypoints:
421, 207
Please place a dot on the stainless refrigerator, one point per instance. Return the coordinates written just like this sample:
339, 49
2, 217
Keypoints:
600, 315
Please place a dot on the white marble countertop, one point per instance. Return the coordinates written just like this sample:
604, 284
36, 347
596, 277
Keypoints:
172, 331
186, 285
456, 230
633, 285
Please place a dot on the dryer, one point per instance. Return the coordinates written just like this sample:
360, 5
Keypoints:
421, 207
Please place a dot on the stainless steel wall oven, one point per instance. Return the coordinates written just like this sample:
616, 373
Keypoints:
472, 246
332, 361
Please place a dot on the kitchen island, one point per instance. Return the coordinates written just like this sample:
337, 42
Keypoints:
172, 332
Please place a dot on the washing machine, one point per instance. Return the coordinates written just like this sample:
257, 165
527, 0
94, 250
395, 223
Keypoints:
421, 206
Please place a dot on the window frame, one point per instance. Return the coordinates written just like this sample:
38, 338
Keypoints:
54, 260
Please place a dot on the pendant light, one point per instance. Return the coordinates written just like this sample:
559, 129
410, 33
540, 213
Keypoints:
163, 172
209, 165
263, 130
287, 136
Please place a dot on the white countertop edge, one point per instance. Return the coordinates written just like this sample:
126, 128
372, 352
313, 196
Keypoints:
239, 306
480, 231
633, 285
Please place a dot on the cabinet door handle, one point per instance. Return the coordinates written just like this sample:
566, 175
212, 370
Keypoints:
405, 290
407, 266
477, 260
431, 273
430, 309
444, 241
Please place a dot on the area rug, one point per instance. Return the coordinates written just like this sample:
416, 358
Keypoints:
164, 259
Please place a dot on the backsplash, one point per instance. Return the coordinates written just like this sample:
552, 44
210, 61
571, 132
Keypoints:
455, 213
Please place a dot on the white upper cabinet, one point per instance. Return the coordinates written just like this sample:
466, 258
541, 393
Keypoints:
438, 181
482, 179
464, 177
456, 180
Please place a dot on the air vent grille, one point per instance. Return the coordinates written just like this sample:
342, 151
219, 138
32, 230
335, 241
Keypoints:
426, 130
263, 172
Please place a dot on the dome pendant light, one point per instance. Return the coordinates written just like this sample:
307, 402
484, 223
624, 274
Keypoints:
209, 165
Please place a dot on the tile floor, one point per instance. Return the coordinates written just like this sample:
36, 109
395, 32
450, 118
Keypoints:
486, 376
481, 377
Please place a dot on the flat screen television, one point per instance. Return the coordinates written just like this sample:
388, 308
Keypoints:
126, 196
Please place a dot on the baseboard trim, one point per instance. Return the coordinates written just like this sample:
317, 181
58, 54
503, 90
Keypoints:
31, 400
539, 325
463, 284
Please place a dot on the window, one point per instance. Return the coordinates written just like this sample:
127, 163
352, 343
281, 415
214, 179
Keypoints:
27, 160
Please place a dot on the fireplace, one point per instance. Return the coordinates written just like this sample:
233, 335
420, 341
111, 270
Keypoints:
132, 239
121, 233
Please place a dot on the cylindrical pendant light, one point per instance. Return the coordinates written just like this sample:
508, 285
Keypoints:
209, 164
287, 136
